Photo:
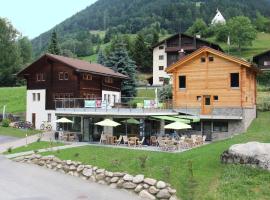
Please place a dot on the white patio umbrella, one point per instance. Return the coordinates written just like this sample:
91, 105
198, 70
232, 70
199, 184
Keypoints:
108, 122
64, 121
177, 126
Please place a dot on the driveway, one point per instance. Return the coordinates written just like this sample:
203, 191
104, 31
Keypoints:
5, 139
21, 181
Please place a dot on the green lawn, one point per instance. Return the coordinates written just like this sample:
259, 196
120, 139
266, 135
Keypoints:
14, 132
211, 180
260, 44
35, 146
14, 98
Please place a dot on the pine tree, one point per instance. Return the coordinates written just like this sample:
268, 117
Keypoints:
54, 47
122, 63
101, 58
155, 39
142, 55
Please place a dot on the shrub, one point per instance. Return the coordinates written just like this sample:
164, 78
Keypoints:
76, 155
5, 122
9, 150
167, 173
142, 160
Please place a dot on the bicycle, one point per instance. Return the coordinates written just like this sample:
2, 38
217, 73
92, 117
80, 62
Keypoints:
46, 126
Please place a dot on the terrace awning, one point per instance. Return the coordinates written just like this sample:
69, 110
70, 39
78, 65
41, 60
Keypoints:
173, 119
192, 118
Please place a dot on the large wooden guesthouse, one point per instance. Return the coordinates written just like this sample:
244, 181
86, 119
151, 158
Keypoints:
54, 77
218, 87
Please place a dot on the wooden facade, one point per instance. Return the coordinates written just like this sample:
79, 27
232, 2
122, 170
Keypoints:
64, 80
209, 79
263, 60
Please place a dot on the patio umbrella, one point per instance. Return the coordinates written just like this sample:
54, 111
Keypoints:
108, 122
63, 120
130, 121
177, 126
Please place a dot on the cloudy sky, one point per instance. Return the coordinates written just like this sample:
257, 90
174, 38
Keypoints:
33, 17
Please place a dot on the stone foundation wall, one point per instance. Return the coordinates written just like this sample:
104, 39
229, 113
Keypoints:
146, 188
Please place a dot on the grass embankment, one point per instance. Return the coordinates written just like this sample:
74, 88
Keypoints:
211, 179
35, 146
14, 98
259, 45
19, 133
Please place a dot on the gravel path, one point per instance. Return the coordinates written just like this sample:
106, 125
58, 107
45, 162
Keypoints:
28, 182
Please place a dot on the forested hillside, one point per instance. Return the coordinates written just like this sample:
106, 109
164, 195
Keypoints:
131, 16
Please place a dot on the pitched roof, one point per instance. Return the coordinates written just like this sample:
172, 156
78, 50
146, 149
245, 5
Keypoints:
79, 65
186, 35
212, 51
262, 53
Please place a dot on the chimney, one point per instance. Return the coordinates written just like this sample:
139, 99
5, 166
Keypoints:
181, 54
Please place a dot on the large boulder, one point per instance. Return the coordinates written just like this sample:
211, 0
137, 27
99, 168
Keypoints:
252, 153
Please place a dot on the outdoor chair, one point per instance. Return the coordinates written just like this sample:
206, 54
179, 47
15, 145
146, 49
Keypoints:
132, 141
153, 141
170, 145
119, 140
203, 139
103, 139
140, 143
125, 139
162, 145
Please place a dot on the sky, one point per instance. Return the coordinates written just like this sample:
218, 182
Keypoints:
33, 17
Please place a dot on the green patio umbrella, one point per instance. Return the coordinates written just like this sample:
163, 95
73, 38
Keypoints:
130, 121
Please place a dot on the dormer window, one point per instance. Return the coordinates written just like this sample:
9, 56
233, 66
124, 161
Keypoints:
87, 77
40, 77
108, 80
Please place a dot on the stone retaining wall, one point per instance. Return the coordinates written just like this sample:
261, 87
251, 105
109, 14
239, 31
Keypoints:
146, 188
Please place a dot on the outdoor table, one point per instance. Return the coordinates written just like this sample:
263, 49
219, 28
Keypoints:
110, 139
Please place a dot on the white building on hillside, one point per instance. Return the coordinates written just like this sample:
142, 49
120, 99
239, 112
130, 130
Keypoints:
218, 19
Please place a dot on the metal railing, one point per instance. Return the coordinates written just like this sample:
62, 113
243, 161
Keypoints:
125, 103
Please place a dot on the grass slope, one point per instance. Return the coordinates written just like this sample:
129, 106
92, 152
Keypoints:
36, 146
19, 133
14, 98
260, 44
211, 180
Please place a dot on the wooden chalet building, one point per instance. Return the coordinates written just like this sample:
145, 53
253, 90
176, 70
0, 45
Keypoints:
54, 77
263, 60
220, 88
172, 49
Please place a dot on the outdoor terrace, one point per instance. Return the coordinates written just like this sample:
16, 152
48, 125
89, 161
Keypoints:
124, 107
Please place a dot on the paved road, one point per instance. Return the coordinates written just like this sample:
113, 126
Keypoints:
5, 139
20, 181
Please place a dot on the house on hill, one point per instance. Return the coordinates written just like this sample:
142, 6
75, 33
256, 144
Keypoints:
86, 93
54, 77
173, 48
263, 60
218, 19
219, 88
